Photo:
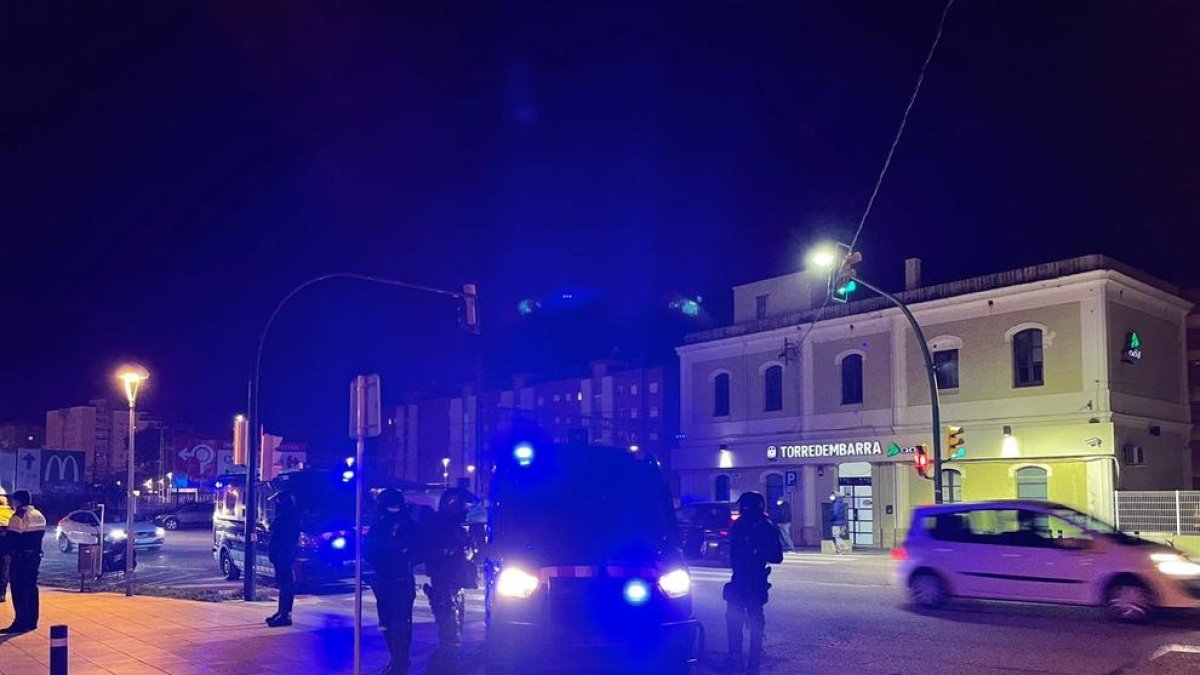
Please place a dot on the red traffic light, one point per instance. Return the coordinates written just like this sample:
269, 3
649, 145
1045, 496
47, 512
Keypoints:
921, 461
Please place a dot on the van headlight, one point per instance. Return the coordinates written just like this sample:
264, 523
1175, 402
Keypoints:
1175, 565
159, 532
117, 534
676, 583
516, 583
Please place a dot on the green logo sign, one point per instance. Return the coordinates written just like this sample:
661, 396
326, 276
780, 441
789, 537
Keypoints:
1133, 348
893, 450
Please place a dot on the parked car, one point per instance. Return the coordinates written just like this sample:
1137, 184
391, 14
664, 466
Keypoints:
704, 530
82, 527
192, 514
1036, 551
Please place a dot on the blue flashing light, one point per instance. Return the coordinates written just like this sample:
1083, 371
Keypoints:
347, 476
523, 453
219, 485
637, 592
526, 307
338, 543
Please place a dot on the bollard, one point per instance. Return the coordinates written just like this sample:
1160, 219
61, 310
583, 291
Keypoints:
58, 650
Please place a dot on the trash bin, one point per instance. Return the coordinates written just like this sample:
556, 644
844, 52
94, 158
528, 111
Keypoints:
89, 560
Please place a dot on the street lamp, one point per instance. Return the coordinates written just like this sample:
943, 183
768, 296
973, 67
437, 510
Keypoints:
843, 267
445, 471
131, 376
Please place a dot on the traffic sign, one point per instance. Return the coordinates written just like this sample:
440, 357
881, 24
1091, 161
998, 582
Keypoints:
789, 478
371, 418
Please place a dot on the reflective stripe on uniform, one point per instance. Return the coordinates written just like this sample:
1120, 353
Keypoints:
28, 519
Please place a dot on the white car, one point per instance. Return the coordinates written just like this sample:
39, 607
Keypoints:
82, 527
1036, 551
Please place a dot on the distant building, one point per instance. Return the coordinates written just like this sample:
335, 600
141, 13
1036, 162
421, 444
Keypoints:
625, 407
100, 431
1067, 377
13, 436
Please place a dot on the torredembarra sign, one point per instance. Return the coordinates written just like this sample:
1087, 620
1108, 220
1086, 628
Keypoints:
849, 449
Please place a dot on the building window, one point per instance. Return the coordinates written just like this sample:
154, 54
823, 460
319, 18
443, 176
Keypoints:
852, 379
1027, 358
1135, 455
653, 387
945, 365
721, 489
1031, 483
654, 435
721, 395
760, 306
633, 413
557, 398
951, 486
633, 390
654, 411
773, 389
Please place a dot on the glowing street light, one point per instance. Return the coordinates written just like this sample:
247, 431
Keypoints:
131, 375
445, 471
822, 258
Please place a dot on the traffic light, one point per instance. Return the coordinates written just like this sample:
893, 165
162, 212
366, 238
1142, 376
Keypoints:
954, 442
841, 279
921, 461
470, 315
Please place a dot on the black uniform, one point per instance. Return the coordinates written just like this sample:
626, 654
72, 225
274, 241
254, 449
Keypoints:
285, 535
26, 529
389, 548
448, 554
754, 543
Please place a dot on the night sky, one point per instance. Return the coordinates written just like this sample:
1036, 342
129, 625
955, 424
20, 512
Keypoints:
171, 170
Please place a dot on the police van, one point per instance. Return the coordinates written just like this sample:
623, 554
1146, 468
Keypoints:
325, 551
584, 564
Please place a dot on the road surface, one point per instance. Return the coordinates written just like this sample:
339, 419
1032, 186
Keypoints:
828, 614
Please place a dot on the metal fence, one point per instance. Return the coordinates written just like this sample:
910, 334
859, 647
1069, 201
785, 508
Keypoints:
1162, 511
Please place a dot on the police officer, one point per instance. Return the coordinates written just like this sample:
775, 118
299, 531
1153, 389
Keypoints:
754, 543
285, 535
26, 528
448, 561
6, 513
389, 548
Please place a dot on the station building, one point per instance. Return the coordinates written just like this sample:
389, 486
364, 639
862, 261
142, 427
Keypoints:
1069, 379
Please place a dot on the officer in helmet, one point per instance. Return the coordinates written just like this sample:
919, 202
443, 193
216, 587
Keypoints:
754, 544
390, 547
449, 561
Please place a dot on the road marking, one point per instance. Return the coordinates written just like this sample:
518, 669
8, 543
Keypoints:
1167, 649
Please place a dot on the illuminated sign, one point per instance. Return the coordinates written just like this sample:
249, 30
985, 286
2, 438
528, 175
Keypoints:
849, 449
1133, 348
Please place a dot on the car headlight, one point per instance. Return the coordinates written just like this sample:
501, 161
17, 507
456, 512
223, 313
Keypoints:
676, 583
159, 532
516, 583
1175, 565
117, 534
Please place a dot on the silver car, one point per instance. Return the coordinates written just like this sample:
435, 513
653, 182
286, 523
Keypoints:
83, 527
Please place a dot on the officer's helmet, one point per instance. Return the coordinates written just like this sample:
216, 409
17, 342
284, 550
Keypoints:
752, 504
391, 500
455, 503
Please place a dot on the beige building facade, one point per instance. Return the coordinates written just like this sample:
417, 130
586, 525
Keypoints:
1068, 378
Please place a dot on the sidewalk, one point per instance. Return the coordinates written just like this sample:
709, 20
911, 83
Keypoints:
110, 633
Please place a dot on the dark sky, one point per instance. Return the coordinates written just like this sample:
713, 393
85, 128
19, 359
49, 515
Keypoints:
172, 169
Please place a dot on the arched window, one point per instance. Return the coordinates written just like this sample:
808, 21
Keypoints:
721, 489
774, 492
852, 379
1031, 483
773, 389
951, 486
721, 395
1027, 358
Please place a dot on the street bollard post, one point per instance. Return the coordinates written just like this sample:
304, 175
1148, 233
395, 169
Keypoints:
58, 650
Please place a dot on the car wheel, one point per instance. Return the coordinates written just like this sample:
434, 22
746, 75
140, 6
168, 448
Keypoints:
1129, 601
64, 544
927, 590
228, 569
171, 524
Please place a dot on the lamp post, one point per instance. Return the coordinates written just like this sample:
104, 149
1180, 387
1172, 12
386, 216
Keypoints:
844, 268
132, 376
469, 319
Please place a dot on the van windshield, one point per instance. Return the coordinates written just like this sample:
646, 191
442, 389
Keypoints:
619, 513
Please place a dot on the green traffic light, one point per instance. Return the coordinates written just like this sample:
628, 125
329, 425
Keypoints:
847, 288
960, 453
